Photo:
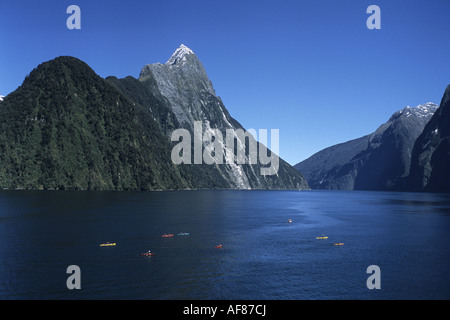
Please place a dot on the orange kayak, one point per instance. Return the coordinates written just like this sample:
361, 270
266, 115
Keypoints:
167, 235
219, 246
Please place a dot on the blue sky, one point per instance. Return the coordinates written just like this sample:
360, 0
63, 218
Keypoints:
311, 69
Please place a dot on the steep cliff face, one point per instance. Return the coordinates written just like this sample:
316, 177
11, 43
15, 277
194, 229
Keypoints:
379, 161
430, 170
184, 82
190, 94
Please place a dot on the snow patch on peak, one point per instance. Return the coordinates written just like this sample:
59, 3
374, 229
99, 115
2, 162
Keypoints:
422, 110
428, 106
186, 49
425, 110
1, 97
180, 55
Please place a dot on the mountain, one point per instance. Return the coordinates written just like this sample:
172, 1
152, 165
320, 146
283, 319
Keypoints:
335, 167
378, 161
66, 127
431, 153
184, 86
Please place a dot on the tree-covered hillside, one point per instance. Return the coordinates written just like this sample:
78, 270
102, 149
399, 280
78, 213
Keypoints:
67, 128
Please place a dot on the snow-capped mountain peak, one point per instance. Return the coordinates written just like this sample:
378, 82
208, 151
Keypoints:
425, 110
1, 97
180, 55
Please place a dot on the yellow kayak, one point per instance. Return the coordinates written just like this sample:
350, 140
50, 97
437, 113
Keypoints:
322, 238
338, 244
107, 244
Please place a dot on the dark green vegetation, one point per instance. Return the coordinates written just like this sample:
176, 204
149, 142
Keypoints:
67, 128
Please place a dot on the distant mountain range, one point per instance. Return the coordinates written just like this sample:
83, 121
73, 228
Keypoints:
66, 127
378, 161
410, 152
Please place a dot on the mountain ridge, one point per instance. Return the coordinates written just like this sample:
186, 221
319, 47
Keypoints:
378, 161
66, 128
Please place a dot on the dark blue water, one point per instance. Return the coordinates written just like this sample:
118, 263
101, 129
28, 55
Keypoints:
263, 257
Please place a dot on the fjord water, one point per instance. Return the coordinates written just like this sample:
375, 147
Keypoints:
263, 256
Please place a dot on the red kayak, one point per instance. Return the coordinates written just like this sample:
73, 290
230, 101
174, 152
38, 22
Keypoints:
147, 254
219, 246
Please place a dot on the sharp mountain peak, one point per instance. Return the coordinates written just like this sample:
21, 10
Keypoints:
180, 55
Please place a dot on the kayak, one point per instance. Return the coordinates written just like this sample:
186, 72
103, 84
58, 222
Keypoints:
219, 246
147, 254
338, 244
167, 235
322, 238
107, 244
183, 234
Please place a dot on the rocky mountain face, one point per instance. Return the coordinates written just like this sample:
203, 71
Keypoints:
430, 171
379, 161
67, 128
184, 86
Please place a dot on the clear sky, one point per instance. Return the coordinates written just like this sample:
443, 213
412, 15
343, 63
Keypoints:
311, 69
